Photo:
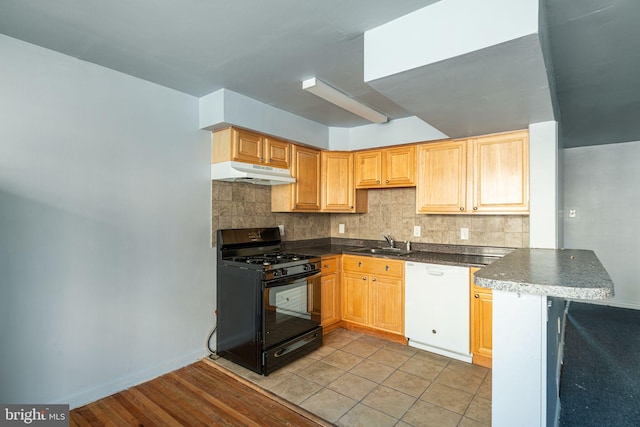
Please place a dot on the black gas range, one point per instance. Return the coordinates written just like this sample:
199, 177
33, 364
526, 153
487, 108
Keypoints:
268, 300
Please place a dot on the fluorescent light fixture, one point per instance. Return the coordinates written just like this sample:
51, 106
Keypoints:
334, 96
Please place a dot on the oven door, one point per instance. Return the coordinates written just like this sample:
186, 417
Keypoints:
291, 308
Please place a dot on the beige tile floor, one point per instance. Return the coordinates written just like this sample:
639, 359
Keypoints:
359, 380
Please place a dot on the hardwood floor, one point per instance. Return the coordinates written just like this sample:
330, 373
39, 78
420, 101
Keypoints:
197, 395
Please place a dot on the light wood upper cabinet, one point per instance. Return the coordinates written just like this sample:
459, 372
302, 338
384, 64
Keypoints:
339, 193
481, 323
500, 165
249, 147
486, 175
277, 153
385, 168
442, 177
304, 194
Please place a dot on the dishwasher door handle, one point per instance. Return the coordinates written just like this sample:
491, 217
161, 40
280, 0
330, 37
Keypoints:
435, 273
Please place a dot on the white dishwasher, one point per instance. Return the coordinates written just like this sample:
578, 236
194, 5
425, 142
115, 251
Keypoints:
437, 309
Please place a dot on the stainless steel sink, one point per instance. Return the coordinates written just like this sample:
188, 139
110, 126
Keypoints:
382, 251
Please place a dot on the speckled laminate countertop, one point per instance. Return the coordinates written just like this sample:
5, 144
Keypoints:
564, 273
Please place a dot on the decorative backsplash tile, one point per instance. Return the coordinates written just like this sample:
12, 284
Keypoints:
391, 211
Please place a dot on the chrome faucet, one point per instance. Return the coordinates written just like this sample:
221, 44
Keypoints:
389, 240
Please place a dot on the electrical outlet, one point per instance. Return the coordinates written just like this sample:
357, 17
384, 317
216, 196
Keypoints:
281, 227
341, 228
572, 213
417, 231
464, 234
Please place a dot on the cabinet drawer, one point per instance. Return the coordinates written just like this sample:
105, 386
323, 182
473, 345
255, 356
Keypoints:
329, 265
373, 266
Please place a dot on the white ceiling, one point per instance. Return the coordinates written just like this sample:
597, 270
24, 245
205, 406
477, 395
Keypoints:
265, 49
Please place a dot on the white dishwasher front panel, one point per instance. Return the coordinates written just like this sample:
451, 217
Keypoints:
437, 308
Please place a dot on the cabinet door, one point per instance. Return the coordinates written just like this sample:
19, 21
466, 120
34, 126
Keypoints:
355, 297
277, 153
387, 303
399, 166
481, 323
368, 168
442, 177
330, 312
247, 147
500, 181
306, 170
338, 191
482, 312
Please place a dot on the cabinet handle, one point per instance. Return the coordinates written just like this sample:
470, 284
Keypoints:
461, 208
476, 296
386, 267
364, 277
359, 263
378, 182
373, 279
433, 331
350, 207
261, 159
326, 266
475, 208
387, 181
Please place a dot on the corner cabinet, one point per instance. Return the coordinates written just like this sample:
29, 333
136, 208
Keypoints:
386, 168
373, 295
338, 191
481, 323
249, 147
304, 194
485, 175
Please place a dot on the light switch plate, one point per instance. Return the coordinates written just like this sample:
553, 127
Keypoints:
417, 231
281, 227
341, 228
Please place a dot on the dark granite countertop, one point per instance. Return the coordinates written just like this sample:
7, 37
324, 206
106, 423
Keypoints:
454, 255
565, 273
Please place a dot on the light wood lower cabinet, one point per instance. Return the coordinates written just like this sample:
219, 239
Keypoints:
330, 293
481, 323
373, 294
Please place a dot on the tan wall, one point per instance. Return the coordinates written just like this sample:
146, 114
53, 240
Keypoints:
391, 211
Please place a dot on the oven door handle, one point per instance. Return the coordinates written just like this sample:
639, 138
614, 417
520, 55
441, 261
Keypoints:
295, 346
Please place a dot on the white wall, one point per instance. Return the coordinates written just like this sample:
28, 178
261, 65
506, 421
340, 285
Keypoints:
106, 269
601, 184
224, 107
544, 195
444, 30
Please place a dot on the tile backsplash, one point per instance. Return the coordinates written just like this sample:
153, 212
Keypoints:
240, 205
391, 211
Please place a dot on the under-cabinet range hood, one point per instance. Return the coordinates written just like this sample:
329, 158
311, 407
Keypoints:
247, 172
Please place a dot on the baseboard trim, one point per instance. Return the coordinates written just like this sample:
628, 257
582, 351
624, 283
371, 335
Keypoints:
100, 391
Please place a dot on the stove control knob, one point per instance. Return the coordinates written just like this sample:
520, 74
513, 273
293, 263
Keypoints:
306, 267
283, 272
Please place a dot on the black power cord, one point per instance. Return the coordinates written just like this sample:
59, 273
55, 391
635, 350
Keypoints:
212, 352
